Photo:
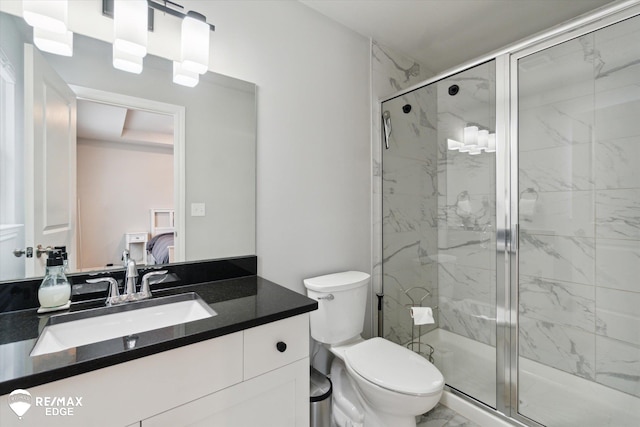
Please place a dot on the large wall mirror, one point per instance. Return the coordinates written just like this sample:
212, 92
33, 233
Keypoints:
142, 160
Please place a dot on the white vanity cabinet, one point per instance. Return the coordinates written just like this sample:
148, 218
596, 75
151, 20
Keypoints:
239, 379
275, 387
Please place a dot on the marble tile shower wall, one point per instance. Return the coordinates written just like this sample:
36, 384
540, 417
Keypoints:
580, 216
409, 213
438, 210
466, 209
392, 72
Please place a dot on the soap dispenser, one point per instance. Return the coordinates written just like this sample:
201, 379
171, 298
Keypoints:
55, 289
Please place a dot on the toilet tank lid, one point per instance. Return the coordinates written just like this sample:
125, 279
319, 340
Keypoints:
337, 281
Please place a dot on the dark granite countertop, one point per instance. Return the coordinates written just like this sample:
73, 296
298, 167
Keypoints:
240, 303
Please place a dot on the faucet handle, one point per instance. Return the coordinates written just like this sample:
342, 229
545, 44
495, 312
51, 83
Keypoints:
113, 297
145, 291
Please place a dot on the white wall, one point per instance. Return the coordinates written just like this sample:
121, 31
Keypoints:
314, 173
144, 180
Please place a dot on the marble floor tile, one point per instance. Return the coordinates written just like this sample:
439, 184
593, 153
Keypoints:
441, 416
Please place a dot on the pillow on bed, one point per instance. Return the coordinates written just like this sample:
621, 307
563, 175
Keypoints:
159, 247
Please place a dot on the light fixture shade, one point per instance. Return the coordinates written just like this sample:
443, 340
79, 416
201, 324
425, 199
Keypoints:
50, 15
49, 41
470, 136
452, 144
184, 77
126, 62
194, 43
130, 22
483, 139
491, 143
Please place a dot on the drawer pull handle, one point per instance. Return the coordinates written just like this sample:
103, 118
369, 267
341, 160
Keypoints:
281, 346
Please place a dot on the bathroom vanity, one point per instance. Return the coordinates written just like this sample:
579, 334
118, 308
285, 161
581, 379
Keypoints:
246, 365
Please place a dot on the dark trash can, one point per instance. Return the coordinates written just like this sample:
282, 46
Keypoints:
320, 399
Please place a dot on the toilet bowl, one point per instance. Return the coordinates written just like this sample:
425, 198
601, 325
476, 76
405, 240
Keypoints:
394, 383
387, 384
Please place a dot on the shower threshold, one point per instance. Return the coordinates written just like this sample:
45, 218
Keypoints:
547, 395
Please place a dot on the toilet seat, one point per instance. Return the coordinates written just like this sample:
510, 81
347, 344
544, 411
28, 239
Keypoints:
393, 367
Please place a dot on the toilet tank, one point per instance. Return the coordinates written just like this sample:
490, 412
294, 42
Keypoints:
342, 299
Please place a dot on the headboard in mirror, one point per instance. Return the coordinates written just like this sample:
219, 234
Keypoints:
191, 150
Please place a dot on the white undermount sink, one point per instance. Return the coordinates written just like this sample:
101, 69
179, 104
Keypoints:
90, 326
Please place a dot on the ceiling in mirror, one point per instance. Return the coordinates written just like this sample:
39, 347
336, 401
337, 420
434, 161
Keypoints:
105, 122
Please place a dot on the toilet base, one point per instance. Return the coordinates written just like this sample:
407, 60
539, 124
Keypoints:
350, 409
345, 408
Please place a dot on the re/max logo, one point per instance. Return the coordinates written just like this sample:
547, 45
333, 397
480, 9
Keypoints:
58, 401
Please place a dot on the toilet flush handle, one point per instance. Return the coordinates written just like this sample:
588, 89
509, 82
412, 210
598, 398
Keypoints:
328, 297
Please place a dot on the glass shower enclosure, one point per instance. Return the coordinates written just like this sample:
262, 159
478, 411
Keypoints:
511, 208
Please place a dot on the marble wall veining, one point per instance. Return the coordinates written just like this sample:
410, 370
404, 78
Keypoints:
466, 208
579, 151
409, 213
405, 223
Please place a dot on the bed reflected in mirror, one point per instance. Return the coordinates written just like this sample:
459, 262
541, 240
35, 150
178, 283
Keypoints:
161, 247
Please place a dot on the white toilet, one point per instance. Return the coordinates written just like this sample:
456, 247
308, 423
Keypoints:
384, 384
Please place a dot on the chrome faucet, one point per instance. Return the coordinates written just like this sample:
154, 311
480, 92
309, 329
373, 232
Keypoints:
130, 280
130, 276
113, 297
145, 291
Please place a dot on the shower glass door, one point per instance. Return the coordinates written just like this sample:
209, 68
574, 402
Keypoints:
438, 194
579, 230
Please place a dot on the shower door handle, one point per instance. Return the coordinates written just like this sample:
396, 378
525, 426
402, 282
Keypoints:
386, 124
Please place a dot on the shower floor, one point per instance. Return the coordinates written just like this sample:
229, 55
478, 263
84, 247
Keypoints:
547, 395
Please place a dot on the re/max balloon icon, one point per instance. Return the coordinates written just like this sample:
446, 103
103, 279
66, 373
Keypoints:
20, 402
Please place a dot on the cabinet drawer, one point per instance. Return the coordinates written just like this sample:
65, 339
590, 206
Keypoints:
275, 344
136, 237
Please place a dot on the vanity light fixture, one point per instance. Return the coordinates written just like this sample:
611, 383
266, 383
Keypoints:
126, 61
491, 143
50, 15
52, 42
131, 37
194, 43
475, 141
184, 77
130, 27
49, 21
452, 144
470, 136
483, 139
